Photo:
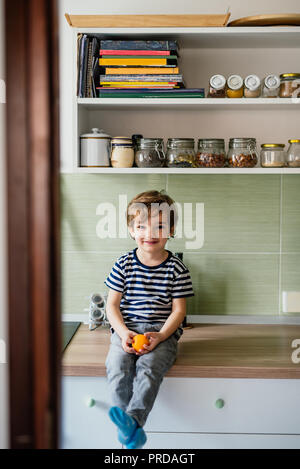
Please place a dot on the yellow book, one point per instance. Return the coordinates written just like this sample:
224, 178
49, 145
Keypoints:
135, 83
142, 71
137, 61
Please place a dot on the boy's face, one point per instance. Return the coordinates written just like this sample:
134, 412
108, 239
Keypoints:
151, 234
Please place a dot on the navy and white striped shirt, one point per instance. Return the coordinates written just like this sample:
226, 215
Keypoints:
147, 291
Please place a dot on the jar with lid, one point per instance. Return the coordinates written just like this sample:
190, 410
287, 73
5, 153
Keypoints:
211, 153
234, 88
181, 153
252, 86
272, 155
293, 153
289, 85
150, 153
217, 85
95, 149
271, 86
122, 154
242, 153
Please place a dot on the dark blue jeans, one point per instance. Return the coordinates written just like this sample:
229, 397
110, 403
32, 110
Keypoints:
133, 380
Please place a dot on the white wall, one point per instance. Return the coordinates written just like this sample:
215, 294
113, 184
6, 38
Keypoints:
3, 279
238, 9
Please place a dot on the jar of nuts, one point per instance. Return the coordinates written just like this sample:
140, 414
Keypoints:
211, 153
242, 153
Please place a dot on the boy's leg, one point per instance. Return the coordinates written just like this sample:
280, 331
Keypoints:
120, 371
150, 370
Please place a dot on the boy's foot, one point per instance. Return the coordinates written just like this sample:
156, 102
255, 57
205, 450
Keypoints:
138, 439
125, 423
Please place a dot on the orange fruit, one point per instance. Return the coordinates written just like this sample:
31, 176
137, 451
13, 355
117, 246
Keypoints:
138, 341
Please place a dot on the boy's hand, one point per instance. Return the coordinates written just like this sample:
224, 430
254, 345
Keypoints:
126, 339
154, 338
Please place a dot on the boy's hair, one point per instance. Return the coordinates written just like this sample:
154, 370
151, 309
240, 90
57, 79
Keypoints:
141, 205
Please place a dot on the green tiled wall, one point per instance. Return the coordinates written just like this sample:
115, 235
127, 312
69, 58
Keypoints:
251, 249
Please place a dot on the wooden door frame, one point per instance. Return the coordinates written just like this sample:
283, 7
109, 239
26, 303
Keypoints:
32, 139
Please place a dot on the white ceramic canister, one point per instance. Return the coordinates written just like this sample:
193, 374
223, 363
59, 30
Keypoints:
95, 149
122, 153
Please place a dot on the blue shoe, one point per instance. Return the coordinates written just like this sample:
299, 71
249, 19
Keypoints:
125, 423
137, 440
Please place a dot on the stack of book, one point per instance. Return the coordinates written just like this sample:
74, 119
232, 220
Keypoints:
138, 68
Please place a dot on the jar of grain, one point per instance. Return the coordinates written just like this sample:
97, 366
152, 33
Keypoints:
150, 153
242, 153
234, 88
293, 153
181, 153
272, 155
211, 153
271, 86
252, 87
217, 85
122, 154
289, 85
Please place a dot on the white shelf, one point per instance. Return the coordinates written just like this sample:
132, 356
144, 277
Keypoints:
110, 170
201, 103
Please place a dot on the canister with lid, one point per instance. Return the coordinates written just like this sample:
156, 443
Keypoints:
149, 153
289, 85
293, 153
211, 153
217, 84
272, 155
271, 86
181, 153
234, 88
122, 154
252, 86
242, 153
95, 149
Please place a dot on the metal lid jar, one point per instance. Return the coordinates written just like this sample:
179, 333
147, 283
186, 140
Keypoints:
293, 153
234, 88
271, 86
252, 86
150, 153
217, 84
211, 153
289, 85
181, 153
242, 153
122, 154
272, 155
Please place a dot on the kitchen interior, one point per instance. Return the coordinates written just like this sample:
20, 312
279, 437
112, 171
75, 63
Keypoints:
236, 378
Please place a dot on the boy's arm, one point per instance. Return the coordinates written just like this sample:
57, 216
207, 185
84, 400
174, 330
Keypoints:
114, 314
175, 318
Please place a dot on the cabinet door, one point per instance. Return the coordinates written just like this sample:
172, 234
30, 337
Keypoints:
84, 427
220, 441
250, 406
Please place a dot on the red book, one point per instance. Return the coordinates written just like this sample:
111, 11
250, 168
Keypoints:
134, 52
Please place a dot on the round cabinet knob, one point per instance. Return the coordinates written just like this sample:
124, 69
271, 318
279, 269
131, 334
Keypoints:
219, 403
90, 402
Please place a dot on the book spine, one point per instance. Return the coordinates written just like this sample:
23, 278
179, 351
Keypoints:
135, 52
108, 44
169, 70
137, 61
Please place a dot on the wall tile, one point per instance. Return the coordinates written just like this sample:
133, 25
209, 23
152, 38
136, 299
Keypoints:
291, 213
290, 273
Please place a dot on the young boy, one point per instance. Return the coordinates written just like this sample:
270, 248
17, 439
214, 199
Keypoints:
147, 291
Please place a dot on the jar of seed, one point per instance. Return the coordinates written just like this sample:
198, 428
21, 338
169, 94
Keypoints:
242, 153
272, 155
211, 153
149, 153
181, 153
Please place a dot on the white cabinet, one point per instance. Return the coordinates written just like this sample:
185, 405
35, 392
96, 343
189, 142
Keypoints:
257, 413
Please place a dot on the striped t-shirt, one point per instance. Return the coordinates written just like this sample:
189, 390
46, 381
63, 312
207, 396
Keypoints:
147, 291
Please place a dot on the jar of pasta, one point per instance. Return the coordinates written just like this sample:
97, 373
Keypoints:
211, 153
181, 153
272, 155
289, 85
293, 153
150, 153
234, 88
242, 153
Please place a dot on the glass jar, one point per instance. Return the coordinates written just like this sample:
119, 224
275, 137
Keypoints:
181, 153
217, 85
211, 153
271, 86
272, 155
234, 87
293, 153
122, 154
150, 153
252, 86
289, 85
242, 153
